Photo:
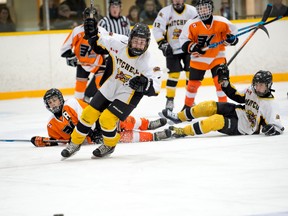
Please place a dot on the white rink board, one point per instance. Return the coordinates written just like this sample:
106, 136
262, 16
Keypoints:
33, 62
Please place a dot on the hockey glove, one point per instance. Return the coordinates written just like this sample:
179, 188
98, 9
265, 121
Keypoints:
195, 49
223, 74
165, 47
140, 84
90, 28
39, 141
269, 130
231, 40
71, 60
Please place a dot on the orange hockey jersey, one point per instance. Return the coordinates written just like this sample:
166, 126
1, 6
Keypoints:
63, 127
89, 60
197, 32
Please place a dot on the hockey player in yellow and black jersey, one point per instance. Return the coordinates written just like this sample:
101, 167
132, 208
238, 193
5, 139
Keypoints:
135, 74
256, 109
167, 28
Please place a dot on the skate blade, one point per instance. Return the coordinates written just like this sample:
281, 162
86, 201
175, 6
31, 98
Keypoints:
170, 122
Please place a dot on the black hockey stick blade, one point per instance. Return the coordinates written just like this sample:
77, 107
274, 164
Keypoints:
266, 13
262, 27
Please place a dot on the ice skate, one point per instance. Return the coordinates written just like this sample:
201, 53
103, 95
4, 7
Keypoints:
173, 117
157, 123
70, 150
103, 151
178, 132
162, 135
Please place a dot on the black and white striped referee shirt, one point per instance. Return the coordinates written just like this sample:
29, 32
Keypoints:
120, 25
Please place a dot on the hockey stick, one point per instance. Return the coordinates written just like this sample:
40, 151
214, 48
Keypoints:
244, 43
91, 8
258, 23
264, 18
28, 140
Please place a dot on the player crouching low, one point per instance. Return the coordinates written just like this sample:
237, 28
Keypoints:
257, 109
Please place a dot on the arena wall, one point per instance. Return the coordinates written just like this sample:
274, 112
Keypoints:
31, 62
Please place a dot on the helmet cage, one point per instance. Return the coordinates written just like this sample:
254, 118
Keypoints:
142, 31
204, 10
51, 93
86, 13
262, 77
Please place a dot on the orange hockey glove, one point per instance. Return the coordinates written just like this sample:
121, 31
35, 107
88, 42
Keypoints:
39, 141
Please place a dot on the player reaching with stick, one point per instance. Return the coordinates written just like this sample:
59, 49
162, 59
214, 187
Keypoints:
135, 74
199, 33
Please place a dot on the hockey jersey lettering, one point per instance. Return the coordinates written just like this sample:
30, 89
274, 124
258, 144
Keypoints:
126, 66
251, 103
177, 23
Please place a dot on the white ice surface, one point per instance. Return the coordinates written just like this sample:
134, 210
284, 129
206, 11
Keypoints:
212, 174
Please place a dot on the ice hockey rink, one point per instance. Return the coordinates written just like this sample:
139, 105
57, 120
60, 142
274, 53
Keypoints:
213, 174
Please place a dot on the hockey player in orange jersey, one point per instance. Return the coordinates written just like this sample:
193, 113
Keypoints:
79, 54
65, 116
201, 32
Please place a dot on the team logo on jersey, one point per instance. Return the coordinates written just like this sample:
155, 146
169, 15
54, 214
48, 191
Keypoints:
205, 40
161, 14
251, 118
122, 76
176, 33
85, 50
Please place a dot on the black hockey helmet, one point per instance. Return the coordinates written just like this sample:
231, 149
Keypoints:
204, 8
263, 77
115, 2
51, 93
139, 30
86, 13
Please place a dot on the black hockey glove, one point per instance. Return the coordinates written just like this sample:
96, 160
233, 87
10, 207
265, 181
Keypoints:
196, 50
223, 74
231, 40
165, 47
90, 28
140, 84
269, 130
71, 60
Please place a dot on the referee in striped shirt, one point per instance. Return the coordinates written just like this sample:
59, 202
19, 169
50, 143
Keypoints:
114, 22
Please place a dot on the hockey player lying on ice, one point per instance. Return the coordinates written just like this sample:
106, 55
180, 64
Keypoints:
65, 116
257, 108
